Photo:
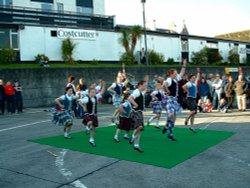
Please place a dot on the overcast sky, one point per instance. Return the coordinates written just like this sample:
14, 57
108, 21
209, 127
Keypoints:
202, 17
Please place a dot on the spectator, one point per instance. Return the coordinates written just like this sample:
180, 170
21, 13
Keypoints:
43, 62
2, 98
204, 89
71, 81
208, 106
223, 105
10, 93
18, 96
210, 83
229, 91
143, 56
201, 105
224, 83
217, 84
240, 88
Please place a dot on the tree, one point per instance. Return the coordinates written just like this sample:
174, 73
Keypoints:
233, 57
200, 57
136, 34
68, 47
129, 40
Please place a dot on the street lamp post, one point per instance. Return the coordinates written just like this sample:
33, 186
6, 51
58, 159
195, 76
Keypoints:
145, 32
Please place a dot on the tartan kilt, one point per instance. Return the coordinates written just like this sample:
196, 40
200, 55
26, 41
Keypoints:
117, 100
136, 119
191, 104
124, 123
90, 117
172, 105
157, 107
62, 117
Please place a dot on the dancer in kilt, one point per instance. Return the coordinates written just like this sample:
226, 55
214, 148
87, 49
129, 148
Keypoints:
63, 115
137, 100
157, 104
124, 112
90, 120
170, 98
191, 89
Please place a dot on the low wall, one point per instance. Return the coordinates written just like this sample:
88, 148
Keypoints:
42, 85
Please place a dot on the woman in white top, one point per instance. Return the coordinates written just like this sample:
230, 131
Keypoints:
170, 99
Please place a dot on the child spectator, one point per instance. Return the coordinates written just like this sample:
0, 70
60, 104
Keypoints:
223, 105
208, 106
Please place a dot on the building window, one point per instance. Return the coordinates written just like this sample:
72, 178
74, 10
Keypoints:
43, 1
6, 2
60, 7
213, 45
8, 38
46, 6
84, 3
184, 45
84, 10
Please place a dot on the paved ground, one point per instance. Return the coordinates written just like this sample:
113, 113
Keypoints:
24, 164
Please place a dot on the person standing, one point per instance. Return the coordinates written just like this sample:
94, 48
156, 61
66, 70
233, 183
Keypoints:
217, 84
170, 99
191, 89
229, 91
2, 98
18, 96
10, 97
240, 88
137, 100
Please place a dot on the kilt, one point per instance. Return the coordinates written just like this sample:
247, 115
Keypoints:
90, 117
172, 105
191, 104
124, 123
157, 107
136, 119
117, 100
62, 117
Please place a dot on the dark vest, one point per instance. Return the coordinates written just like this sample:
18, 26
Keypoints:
172, 89
158, 96
118, 89
89, 106
66, 103
140, 101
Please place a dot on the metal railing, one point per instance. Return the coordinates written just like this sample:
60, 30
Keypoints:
31, 16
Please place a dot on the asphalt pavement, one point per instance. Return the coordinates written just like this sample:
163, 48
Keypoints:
25, 164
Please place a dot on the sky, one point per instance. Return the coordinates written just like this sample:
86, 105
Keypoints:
202, 17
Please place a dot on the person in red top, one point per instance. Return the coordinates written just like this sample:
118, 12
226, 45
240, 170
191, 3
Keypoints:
9, 94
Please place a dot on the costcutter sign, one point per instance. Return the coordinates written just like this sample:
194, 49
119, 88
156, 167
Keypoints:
76, 34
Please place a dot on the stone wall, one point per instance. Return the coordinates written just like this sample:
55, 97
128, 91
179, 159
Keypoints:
41, 86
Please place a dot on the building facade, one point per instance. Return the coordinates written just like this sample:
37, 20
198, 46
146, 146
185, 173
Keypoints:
34, 27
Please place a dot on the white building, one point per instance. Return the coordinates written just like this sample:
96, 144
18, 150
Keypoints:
38, 27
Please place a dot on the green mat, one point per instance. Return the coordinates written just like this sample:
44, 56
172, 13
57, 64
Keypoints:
158, 150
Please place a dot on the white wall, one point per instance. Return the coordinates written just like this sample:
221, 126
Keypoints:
106, 47
242, 53
99, 7
224, 49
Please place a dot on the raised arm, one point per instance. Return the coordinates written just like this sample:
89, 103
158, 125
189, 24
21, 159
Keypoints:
198, 76
183, 69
